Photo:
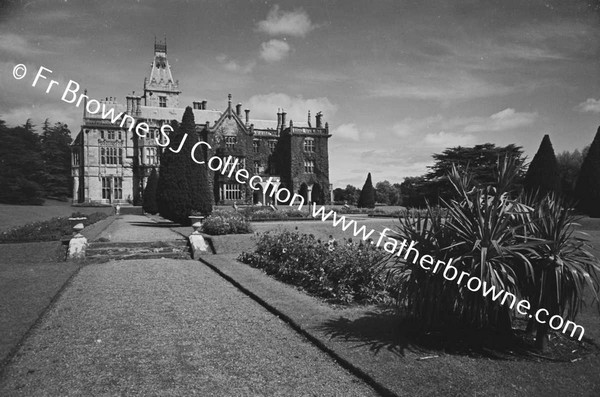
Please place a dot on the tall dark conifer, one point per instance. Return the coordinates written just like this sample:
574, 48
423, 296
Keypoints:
150, 204
543, 175
367, 194
587, 189
56, 153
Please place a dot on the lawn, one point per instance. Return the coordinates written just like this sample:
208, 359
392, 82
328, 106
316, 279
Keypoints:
31, 274
18, 215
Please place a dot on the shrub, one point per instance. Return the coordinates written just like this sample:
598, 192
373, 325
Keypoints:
587, 189
543, 174
150, 204
345, 272
367, 194
51, 230
226, 222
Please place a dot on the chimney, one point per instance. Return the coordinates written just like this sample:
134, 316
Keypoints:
203, 106
238, 109
195, 105
129, 104
309, 119
319, 118
247, 115
279, 118
283, 113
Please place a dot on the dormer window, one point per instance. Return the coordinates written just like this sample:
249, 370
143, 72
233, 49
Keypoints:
230, 142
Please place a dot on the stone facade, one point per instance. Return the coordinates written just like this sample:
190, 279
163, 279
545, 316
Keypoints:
111, 163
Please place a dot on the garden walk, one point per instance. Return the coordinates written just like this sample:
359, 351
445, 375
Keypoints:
166, 327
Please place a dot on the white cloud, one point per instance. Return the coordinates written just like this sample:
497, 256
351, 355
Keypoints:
16, 44
448, 139
274, 50
506, 119
54, 112
293, 23
265, 106
408, 126
234, 66
590, 105
347, 131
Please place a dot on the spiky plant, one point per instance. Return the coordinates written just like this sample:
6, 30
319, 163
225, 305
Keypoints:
563, 265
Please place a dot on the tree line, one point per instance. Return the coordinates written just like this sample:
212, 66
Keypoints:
35, 165
575, 175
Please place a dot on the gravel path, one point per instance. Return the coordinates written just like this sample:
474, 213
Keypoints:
129, 228
169, 328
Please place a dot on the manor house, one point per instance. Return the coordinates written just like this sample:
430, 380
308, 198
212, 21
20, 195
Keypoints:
111, 164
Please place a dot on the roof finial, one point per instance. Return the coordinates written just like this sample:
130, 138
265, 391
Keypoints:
229, 98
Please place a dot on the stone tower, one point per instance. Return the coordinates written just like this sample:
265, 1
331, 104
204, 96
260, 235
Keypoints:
160, 89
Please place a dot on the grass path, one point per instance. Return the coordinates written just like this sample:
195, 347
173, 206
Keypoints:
166, 327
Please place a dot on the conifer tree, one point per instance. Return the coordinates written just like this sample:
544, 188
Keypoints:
56, 153
367, 194
173, 191
182, 183
543, 175
150, 204
587, 189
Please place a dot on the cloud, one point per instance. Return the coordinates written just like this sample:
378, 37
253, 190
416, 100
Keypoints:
408, 126
274, 50
506, 119
280, 23
444, 88
234, 66
347, 131
265, 106
447, 139
16, 44
590, 105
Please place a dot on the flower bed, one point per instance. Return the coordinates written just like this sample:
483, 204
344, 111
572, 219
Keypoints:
226, 222
51, 230
342, 272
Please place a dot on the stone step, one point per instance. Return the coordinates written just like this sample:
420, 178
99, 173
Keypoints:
138, 250
164, 255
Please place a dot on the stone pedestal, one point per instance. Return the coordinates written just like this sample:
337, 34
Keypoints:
78, 244
198, 244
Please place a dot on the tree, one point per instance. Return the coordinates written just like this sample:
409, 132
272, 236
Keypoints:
182, 183
21, 165
150, 204
367, 194
569, 164
56, 154
543, 175
386, 193
587, 189
480, 160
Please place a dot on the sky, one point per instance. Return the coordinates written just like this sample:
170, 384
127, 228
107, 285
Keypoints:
397, 81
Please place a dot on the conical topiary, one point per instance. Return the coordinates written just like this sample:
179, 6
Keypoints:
150, 204
367, 194
543, 175
587, 188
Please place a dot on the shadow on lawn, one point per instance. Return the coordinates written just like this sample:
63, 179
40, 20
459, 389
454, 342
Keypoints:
387, 330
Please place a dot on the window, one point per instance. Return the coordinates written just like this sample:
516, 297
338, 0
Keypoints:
151, 157
230, 142
120, 136
257, 167
162, 101
272, 144
101, 134
255, 145
309, 166
309, 145
111, 156
118, 188
76, 158
231, 191
106, 187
